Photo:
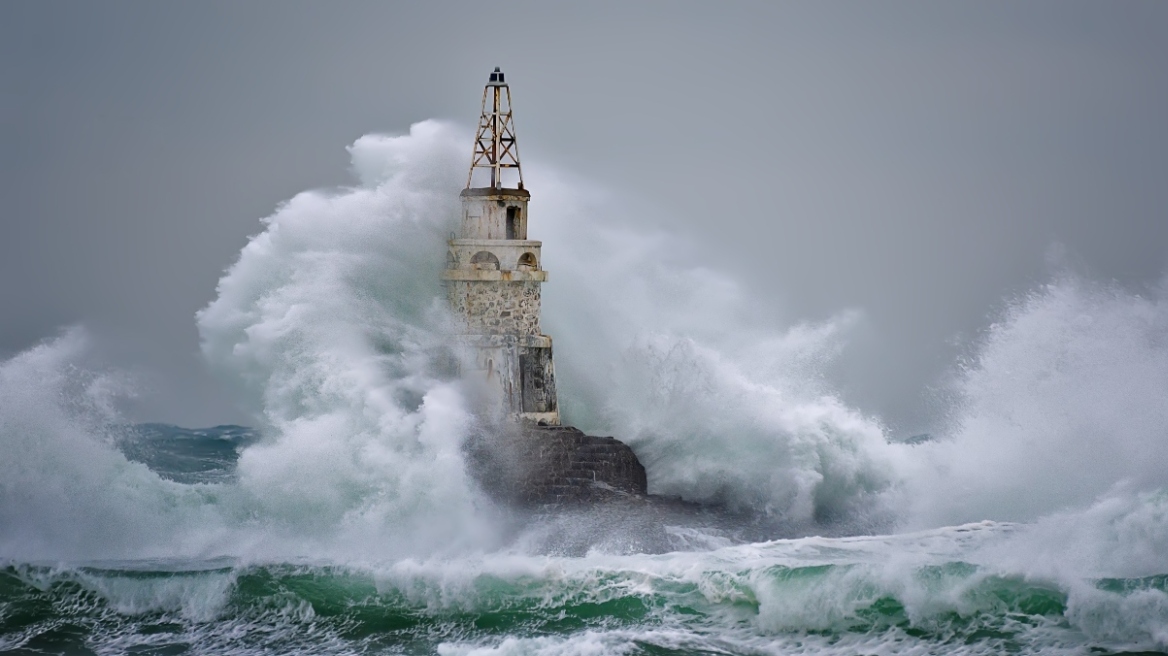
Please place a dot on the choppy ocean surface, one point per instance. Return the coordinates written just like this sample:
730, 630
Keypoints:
1032, 520
949, 590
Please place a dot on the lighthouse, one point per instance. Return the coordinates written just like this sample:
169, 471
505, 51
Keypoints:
494, 272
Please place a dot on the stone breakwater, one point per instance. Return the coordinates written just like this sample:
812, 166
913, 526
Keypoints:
555, 465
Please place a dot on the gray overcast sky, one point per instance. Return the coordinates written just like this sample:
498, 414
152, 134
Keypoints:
915, 160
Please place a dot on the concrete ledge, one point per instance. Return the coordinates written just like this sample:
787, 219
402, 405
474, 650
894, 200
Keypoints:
492, 243
492, 275
496, 193
541, 418
496, 341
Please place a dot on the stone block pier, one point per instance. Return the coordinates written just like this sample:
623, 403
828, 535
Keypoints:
554, 465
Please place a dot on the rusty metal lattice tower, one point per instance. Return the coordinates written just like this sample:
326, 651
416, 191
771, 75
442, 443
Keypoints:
495, 147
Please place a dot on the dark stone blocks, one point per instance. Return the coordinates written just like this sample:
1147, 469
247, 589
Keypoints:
542, 465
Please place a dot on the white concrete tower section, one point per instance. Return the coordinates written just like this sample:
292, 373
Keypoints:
494, 272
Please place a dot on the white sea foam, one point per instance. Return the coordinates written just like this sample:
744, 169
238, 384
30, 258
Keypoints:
672, 356
326, 322
66, 492
324, 326
1065, 399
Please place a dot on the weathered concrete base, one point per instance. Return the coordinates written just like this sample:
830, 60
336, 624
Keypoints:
554, 465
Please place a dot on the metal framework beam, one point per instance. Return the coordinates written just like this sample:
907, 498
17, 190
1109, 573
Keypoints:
495, 146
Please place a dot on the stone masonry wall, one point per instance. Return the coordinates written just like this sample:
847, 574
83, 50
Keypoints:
497, 308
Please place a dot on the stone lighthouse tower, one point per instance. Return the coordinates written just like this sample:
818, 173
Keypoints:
494, 272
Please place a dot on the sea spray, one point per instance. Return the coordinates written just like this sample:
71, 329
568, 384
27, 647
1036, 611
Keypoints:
1065, 397
350, 524
66, 491
328, 322
325, 326
721, 404
327, 317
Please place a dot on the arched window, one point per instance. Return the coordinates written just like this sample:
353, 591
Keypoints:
485, 260
527, 262
451, 260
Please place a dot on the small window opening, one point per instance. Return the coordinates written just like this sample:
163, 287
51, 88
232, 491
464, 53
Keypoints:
527, 262
513, 223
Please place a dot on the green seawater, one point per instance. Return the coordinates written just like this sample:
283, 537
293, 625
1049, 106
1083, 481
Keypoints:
860, 595
193, 608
